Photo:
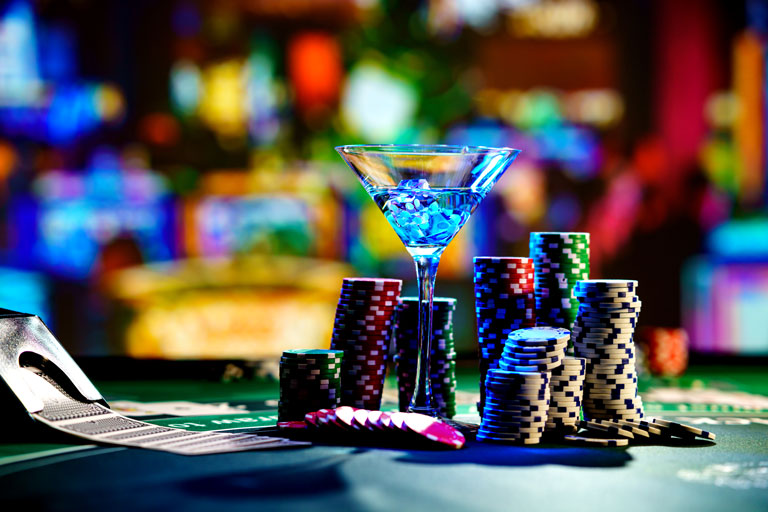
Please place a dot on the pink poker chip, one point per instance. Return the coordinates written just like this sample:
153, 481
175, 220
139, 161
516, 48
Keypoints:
433, 429
344, 416
374, 420
361, 420
386, 421
398, 420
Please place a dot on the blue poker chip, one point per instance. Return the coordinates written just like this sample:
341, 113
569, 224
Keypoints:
524, 376
523, 427
497, 404
511, 385
545, 334
522, 367
505, 388
496, 408
492, 425
513, 358
500, 389
515, 415
517, 398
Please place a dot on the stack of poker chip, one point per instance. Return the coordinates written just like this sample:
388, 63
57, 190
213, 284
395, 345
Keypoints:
309, 380
665, 350
362, 330
560, 259
442, 362
566, 388
603, 335
516, 406
504, 302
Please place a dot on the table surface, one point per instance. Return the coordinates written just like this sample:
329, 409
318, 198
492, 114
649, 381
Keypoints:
732, 473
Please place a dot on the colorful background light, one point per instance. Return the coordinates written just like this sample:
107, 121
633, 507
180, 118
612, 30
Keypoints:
157, 159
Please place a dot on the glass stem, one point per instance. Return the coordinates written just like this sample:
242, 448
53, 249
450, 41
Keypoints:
426, 271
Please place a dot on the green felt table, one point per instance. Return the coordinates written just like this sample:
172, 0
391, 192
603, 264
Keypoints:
731, 474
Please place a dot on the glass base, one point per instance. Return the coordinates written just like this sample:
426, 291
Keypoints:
428, 411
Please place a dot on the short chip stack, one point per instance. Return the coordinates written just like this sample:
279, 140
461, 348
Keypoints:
535, 349
362, 330
309, 380
560, 259
516, 406
603, 335
504, 302
566, 389
442, 355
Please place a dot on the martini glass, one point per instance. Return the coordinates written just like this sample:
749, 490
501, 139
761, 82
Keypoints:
426, 193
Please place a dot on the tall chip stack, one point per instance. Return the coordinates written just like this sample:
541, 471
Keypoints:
603, 334
504, 302
362, 330
309, 380
442, 356
560, 260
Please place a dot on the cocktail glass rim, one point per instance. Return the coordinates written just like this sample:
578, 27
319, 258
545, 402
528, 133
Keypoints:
424, 149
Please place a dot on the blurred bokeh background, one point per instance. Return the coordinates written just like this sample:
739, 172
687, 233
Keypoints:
169, 188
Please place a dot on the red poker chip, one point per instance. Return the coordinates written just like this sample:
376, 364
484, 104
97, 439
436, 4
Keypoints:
372, 284
292, 425
370, 304
362, 319
510, 276
525, 289
367, 299
371, 317
358, 353
371, 280
389, 292
356, 376
321, 417
370, 326
371, 290
393, 292
358, 306
311, 419
372, 333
